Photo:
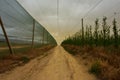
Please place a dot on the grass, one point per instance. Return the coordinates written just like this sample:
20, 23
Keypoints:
20, 58
70, 51
25, 59
4, 44
104, 62
21, 50
6, 52
95, 68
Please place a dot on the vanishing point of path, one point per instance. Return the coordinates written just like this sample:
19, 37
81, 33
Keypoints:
57, 64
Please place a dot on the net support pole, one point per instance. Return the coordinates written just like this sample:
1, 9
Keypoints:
6, 37
82, 31
47, 38
43, 37
33, 34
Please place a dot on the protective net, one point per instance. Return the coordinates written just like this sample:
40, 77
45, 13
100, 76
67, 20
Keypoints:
19, 28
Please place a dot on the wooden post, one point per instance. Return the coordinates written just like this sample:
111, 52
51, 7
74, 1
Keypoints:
40, 41
33, 34
43, 37
6, 37
47, 37
82, 32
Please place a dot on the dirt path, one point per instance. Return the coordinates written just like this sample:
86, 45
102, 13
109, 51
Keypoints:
57, 65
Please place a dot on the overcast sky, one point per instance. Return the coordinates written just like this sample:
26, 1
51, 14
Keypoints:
70, 14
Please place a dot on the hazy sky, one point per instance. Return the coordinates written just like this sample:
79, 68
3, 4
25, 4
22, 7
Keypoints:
70, 14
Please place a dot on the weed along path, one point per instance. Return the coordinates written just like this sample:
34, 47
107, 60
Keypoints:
56, 64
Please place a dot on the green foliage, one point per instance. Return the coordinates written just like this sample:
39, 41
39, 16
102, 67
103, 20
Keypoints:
95, 68
100, 36
96, 31
25, 59
69, 50
115, 33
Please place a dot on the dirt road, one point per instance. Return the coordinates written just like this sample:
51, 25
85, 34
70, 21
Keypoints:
56, 65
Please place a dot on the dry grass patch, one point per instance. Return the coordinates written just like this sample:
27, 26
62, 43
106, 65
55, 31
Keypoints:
9, 62
103, 62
